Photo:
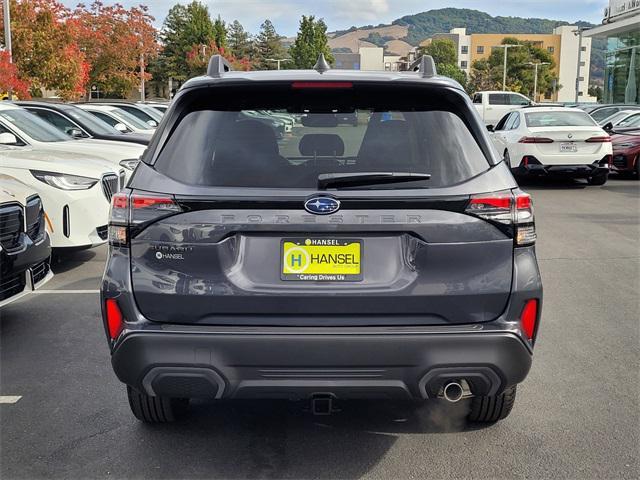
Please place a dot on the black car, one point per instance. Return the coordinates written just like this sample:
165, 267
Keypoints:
395, 260
24, 243
80, 124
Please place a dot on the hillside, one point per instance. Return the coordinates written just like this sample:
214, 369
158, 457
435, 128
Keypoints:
410, 30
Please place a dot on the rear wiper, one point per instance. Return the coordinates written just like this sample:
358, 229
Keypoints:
359, 179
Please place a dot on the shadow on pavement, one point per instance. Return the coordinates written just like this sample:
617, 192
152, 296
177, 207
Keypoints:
63, 261
550, 183
279, 439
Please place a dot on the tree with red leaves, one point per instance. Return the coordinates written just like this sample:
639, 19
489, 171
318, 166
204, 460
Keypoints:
199, 55
114, 40
44, 50
9, 79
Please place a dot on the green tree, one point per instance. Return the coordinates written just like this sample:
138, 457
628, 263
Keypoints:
520, 72
442, 50
239, 40
445, 57
268, 45
220, 33
184, 27
310, 42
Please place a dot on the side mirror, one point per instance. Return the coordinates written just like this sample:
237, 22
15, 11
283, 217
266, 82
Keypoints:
608, 127
7, 138
491, 128
152, 123
75, 133
121, 127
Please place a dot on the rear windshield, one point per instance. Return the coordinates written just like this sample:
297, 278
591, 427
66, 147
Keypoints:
559, 119
289, 147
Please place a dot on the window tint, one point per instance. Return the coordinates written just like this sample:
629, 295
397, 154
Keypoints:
559, 119
509, 123
630, 121
233, 149
603, 113
59, 121
516, 123
90, 122
518, 100
503, 121
139, 114
32, 125
498, 99
106, 118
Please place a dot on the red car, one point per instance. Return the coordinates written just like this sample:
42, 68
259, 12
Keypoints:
626, 153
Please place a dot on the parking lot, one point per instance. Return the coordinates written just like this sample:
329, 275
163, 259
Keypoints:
577, 414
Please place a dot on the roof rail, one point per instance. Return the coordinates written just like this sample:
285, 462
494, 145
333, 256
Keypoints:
218, 65
321, 65
427, 67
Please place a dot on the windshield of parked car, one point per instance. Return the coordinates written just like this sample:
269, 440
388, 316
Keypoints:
91, 122
403, 130
129, 119
32, 126
631, 121
558, 119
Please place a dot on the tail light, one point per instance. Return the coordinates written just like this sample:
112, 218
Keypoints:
512, 212
603, 139
132, 211
529, 318
307, 85
115, 321
535, 140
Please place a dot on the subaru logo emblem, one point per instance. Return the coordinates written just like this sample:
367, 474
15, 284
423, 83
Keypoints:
322, 205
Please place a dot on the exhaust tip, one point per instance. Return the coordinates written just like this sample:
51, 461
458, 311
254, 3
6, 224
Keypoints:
453, 392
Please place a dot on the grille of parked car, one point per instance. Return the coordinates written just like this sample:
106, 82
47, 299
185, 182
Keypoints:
103, 232
40, 271
35, 219
110, 185
11, 226
11, 285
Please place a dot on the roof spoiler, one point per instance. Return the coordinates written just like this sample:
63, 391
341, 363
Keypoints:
218, 65
427, 67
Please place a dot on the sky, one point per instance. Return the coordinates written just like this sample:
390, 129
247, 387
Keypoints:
342, 14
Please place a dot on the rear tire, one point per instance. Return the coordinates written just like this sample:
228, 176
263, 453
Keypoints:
150, 409
492, 408
599, 179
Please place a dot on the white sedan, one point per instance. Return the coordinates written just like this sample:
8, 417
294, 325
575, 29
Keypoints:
75, 190
117, 118
28, 130
554, 141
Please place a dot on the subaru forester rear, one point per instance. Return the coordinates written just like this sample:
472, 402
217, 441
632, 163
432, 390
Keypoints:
392, 257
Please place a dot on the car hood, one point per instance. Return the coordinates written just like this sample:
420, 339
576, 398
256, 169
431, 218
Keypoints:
108, 150
60, 161
13, 190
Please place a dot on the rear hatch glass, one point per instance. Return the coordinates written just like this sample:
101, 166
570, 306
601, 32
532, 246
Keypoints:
379, 259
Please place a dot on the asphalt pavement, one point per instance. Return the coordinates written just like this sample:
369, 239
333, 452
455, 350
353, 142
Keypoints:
577, 415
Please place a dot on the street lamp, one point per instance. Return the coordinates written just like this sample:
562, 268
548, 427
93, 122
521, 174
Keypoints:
504, 72
535, 77
7, 36
278, 60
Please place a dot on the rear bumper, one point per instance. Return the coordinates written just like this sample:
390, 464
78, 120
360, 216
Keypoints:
574, 171
296, 364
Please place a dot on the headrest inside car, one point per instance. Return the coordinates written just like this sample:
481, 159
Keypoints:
321, 145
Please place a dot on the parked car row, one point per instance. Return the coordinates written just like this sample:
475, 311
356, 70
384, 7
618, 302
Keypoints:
60, 164
585, 142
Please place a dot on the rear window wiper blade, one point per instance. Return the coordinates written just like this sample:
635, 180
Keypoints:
360, 179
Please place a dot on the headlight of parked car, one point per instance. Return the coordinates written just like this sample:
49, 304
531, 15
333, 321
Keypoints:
64, 181
130, 164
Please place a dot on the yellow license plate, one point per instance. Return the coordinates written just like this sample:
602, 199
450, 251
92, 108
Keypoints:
321, 259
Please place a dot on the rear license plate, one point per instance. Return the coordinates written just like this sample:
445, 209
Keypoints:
568, 147
321, 259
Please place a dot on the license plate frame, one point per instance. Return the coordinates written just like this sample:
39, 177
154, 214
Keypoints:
568, 148
304, 264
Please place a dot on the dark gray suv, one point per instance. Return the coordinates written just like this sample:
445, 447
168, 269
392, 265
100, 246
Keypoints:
390, 258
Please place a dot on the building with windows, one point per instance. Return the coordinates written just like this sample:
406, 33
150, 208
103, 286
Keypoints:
621, 28
562, 44
371, 58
